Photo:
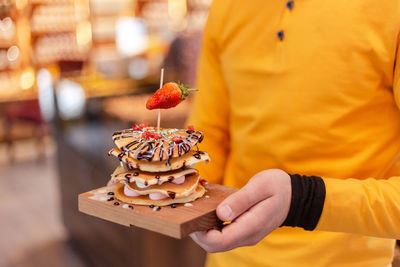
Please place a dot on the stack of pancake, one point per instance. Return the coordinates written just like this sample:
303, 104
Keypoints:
157, 165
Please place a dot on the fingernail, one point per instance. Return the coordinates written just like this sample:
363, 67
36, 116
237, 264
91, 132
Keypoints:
226, 212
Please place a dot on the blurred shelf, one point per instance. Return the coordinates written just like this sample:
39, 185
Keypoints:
39, 33
17, 95
6, 43
51, 2
101, 87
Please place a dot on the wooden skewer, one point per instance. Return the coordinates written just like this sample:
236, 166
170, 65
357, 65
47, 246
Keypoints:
159, 110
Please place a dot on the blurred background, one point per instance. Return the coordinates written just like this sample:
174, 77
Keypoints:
71, 73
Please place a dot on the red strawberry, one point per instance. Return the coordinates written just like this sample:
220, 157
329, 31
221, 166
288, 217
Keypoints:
143, 125
168, 96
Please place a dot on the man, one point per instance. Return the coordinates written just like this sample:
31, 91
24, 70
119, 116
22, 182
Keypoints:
307, 87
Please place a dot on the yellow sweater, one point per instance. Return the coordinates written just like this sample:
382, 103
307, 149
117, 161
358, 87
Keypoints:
309, 88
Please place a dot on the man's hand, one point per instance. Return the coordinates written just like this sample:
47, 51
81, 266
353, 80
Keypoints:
256, 210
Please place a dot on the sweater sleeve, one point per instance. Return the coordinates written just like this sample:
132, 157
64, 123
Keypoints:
210, 113
366, 207
396, 77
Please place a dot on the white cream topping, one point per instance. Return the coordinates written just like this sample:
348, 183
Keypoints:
140, 185
99, 197
101, 191
100, 194
191, 166
160, 192
157, 196
179, 180
129, 192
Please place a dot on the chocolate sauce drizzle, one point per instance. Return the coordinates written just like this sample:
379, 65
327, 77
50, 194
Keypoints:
127, 177
128, 146
120, 155
197, 156
124, 134
171, 194
142, 149
147, 151
161, 156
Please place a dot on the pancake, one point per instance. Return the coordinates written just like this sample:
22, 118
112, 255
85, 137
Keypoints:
145, 200
148, 178
120, 169
189, 159
139, 144
169, 189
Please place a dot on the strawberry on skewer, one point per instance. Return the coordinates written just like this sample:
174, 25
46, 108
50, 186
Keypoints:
168, 96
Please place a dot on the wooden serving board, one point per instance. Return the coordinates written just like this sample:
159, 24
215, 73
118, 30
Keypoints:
175, 222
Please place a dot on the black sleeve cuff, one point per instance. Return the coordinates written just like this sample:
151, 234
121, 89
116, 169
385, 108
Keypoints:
308, 197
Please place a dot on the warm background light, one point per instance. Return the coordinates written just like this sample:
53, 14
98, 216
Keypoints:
72, 72
21, 4
84, 34
131, 36
13, 53
177, 9
27, 79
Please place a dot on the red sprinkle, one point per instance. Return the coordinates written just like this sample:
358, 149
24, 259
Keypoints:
143, 125
136, 127
177, 139
190, 128
148, 135
203, 182
157, 136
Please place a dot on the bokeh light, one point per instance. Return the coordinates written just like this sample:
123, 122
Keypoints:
131, 36
70, 99
27, 79
13, 53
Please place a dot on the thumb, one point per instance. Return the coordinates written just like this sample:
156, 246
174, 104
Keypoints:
240, 201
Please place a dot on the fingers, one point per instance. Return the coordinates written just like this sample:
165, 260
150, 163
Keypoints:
207, 240
247, 230
242, 200
256, 210
250, 227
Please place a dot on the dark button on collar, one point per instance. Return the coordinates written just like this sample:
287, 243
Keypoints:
280, 35
290, 5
